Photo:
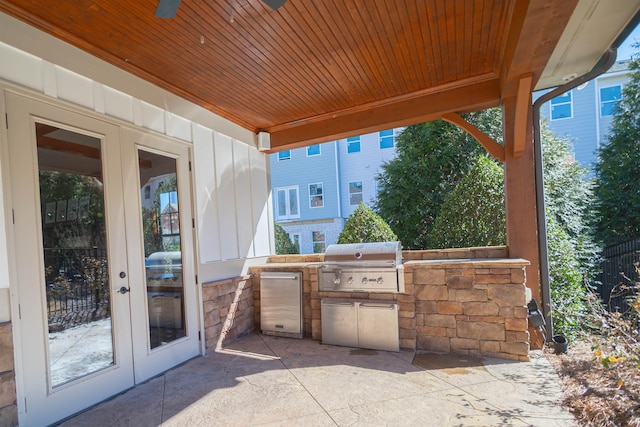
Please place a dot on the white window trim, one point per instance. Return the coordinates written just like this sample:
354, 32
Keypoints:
313, 242
286, 158
381, 137
359, 142
350, 193
286, 190
570, 108
600, 98
315, 195
319, 150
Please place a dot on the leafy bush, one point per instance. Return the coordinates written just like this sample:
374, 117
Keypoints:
567, 290
473, 214
431, 158
284, 245
364, 225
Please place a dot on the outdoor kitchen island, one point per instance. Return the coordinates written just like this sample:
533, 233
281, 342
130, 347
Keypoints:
464, 301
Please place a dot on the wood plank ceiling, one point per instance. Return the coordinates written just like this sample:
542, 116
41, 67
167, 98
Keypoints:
317, 70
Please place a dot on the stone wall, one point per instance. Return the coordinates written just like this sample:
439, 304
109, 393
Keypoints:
483, 252
470, 307
8, 407
466, 301
228, 310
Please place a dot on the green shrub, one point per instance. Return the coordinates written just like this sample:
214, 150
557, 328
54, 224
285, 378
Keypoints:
284, 245
567, 290
473, 214
364, 225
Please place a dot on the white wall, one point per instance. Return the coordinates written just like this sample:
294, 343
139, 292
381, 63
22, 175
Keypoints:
231, 177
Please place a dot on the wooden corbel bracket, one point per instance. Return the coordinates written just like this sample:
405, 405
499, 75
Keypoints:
493, 148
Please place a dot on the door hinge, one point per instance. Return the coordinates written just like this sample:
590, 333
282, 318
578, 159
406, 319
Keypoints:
19, 312
193, 223
189, 165
196, 279
6, 120
199, 336
13, 216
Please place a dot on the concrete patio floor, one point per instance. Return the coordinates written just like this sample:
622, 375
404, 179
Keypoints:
269, 381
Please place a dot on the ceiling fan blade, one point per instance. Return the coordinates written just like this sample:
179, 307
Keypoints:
274, 4
167, 8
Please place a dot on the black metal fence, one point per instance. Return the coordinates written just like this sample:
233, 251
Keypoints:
77, 281
618, 272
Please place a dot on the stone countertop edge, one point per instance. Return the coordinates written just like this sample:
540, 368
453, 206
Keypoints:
475, 262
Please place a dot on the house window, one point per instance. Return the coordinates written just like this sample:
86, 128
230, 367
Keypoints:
355, 192
316, 199
287, 203
295, 239
147, 192
353, 144
284, 155
609, 98
313, 150
386, 139
561, 107
318, 242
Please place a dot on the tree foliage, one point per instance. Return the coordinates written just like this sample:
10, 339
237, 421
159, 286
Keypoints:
431, 159
364, 226
618, 169
284, 245
567, 289
473, 213
568, 196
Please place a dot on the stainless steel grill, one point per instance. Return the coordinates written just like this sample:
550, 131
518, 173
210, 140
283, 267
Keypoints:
368, 267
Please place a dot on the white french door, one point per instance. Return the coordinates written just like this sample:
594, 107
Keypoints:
103, 253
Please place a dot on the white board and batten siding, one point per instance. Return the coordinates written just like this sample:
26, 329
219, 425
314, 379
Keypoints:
231, 177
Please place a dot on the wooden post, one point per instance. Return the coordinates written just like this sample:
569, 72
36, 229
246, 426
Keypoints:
520, 194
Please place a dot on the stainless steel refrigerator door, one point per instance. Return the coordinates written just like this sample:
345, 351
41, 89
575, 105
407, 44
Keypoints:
378, 326
339, 322
281, 303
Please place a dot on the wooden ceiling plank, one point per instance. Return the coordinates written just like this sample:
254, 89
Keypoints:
436, 43
278, 76
415, 39
348, 60
360, 31
392, 49
425, 33
404, 48
320, 47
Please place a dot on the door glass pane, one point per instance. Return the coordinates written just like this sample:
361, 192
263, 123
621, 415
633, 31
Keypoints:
75, 253
162, 250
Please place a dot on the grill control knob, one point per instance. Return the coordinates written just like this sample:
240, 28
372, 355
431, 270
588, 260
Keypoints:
350, 281
336, 281
365, 280
380, 280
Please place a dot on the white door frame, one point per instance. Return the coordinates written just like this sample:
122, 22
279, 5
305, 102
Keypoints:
193, 312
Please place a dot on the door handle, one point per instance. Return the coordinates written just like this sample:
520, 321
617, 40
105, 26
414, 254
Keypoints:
124, 290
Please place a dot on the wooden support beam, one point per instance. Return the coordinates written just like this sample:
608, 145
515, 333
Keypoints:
473, 95
523, 107
520, 202
496, 150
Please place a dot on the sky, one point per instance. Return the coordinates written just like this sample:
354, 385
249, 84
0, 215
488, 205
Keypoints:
626, 50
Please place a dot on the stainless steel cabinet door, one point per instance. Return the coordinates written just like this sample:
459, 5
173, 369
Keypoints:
378, 326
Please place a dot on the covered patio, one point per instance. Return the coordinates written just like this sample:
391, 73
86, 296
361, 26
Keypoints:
218, 87
305, 73
263, 380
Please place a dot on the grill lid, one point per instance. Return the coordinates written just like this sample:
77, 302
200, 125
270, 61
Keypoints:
375, 254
